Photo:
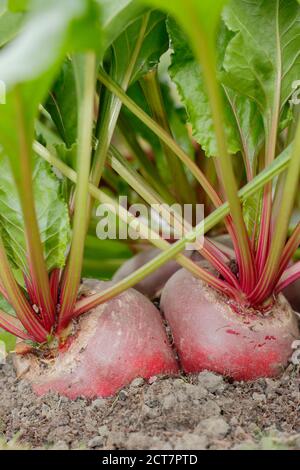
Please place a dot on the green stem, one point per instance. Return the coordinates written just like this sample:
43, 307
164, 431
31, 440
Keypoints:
146, 232
169, 214
283, 218
206, 58
13, 326
161, 134
18, 300
22, 169
181, 186
279, 165
271, 127
146, 166
72, 273
113, 108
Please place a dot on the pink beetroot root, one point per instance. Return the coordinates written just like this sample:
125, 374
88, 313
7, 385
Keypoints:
152, 285
209, 334
292, 293
114, 343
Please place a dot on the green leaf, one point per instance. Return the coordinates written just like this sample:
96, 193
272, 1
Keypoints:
263, 58
131, 55
243, 122
116, 16
192, 13
52, 215
52, 29
6, 307
137, 126
18, 5
69, 157
186, 73
46, 135
154, 44
250, 128
62, 104
28, 65
177, 119
8, 339
10, 23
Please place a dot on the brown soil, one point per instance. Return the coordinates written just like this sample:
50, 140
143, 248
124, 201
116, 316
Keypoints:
199, 412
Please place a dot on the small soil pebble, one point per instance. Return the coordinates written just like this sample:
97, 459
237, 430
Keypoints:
212, 382
138, 382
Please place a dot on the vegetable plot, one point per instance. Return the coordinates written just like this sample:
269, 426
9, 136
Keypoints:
88, 117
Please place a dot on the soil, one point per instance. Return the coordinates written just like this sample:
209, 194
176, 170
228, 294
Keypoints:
182, 413
204, 411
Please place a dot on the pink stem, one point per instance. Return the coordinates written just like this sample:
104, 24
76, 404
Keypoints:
287, 254
264, 235
13, 326
30, 290
290, 248
3, 292
288, 277
54, 284
218, 261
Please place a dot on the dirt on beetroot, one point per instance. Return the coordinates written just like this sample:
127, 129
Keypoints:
203, 411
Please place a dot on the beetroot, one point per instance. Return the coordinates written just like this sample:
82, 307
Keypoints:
210, 334
292, 293
114, 343
151, 285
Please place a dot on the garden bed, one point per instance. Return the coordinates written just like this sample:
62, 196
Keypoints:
197, 412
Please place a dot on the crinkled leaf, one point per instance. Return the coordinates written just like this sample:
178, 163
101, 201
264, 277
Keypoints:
52, 215
263, 58
186, 73
243, 122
